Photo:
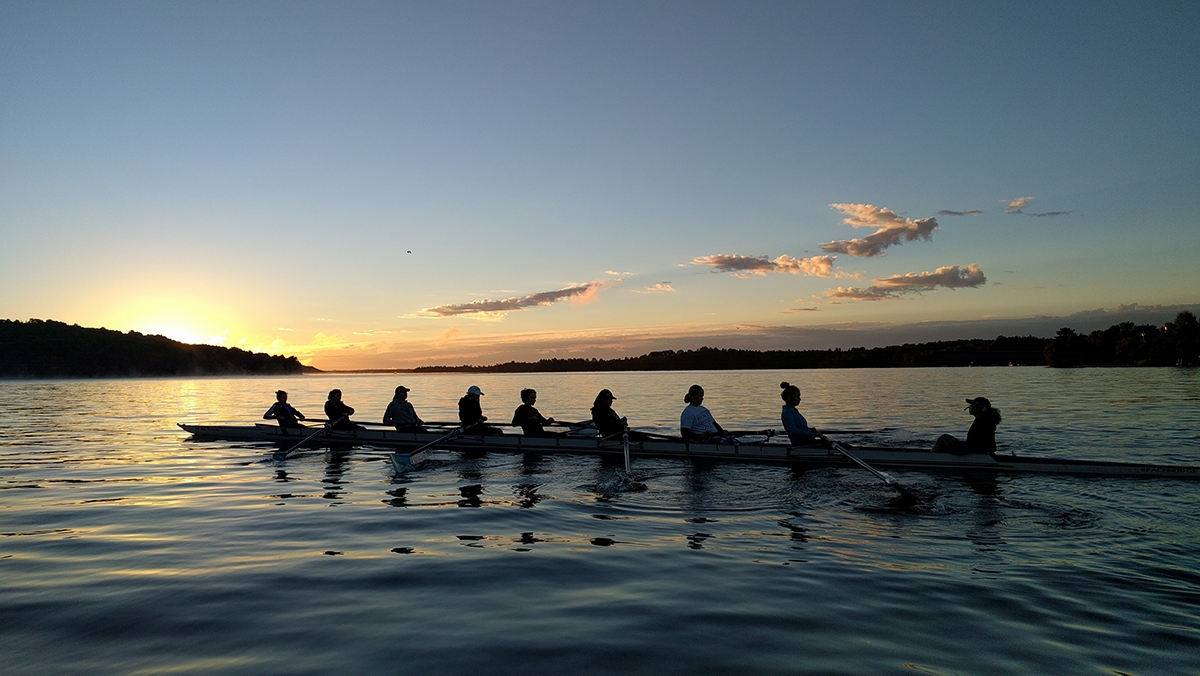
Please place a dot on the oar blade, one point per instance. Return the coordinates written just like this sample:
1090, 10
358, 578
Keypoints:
408, 462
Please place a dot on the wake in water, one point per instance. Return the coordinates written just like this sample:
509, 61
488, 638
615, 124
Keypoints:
619, 482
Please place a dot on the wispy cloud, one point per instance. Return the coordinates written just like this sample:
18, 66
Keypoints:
497, 309
614, 273
744, 266
1015, 206
947, 212
661, 286
891, 230
381, 332
889, 288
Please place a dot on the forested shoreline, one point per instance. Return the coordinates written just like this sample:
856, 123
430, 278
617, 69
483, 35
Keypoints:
50, 349
1125, 344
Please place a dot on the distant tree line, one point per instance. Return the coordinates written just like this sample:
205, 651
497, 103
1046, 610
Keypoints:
1177, 343
50, 349
1001, 351
1126, 344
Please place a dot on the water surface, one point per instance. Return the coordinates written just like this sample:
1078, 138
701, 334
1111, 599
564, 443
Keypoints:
126, 547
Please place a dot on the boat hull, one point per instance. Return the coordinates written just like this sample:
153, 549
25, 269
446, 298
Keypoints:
759, 452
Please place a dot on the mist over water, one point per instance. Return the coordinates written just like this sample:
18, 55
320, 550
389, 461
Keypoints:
127, 547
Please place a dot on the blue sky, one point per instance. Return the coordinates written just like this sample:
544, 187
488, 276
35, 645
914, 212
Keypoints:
592, 179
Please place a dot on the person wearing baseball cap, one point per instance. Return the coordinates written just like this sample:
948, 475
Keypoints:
470, 413
981, 437
400, 412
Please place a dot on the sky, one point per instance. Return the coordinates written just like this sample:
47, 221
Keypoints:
390, 184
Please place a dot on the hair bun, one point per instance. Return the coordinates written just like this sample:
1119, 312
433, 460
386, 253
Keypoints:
784, 385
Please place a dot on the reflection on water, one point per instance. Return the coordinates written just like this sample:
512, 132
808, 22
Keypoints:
127, 547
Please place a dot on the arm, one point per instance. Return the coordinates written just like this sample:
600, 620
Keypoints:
713, 422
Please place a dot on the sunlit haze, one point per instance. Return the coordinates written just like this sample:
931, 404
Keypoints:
400, 184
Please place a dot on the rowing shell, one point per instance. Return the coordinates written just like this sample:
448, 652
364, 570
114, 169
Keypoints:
756, 452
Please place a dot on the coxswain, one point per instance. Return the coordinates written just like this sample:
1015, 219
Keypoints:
981, 437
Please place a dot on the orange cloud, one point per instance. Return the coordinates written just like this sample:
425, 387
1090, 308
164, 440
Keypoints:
892, 230
744, 266
1015, 206
892, 288
497, 309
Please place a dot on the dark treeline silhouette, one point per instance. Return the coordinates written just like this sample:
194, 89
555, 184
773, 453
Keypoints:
1127, 344
1177, 343
50, 349
1001, 351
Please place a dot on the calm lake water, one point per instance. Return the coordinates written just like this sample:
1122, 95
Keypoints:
128, 548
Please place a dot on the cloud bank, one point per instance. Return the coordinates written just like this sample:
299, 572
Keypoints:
889, 288
744, 266
891, 230
495, 309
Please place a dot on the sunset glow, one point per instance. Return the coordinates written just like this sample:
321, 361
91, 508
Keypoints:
424, 185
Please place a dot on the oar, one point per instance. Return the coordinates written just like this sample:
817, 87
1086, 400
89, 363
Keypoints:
664, 437
564, 423
849, 432
326, 427
390, 425
625, 445
433, 443
886, 478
